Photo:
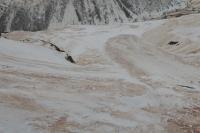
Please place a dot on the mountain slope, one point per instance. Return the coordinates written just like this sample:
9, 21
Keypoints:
40, 14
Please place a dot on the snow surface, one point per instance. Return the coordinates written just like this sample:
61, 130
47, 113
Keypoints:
126, 78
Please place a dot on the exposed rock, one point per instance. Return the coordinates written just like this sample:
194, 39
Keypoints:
185, 86
69, 58
53, 46
173, 43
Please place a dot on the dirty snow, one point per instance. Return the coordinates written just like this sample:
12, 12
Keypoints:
126, 79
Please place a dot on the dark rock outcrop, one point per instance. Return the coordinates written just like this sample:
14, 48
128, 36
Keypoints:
70, 59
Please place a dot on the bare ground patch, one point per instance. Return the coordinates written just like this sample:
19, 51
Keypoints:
185, 120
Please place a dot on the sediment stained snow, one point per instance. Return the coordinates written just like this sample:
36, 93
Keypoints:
126, 79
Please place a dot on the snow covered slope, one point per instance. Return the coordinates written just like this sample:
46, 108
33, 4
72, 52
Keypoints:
128, 78
33, 15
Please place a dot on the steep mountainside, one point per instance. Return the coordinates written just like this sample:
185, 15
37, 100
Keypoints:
40, 14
